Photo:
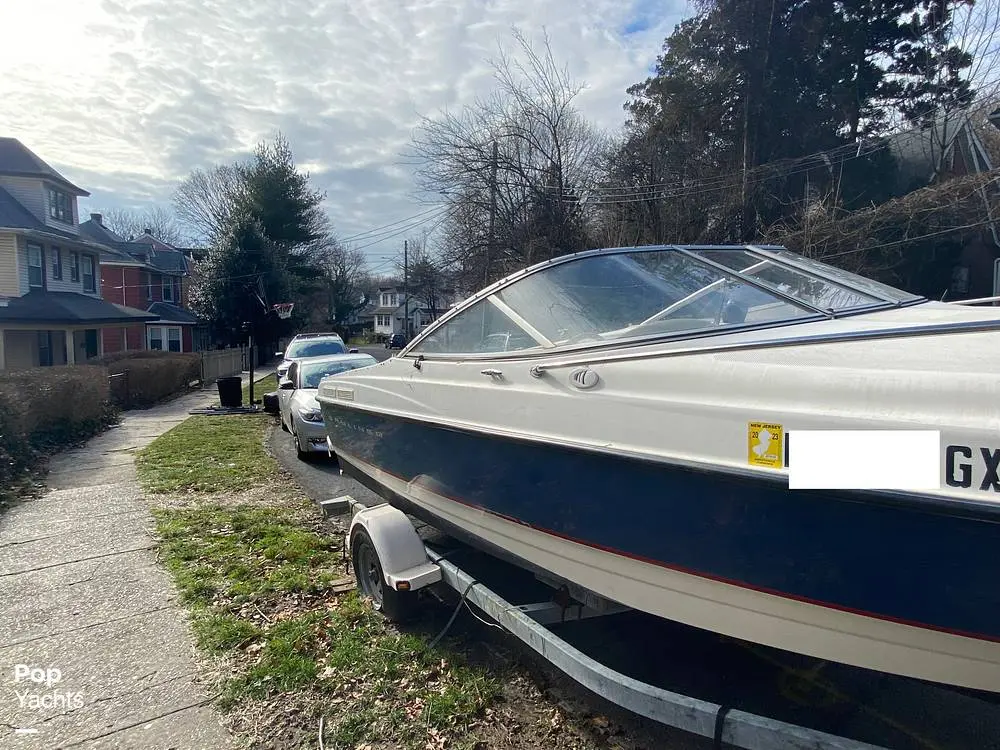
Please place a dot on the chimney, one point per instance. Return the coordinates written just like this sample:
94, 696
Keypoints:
97, 219
148, 231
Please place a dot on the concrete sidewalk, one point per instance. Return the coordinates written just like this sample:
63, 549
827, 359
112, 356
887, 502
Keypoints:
86, 605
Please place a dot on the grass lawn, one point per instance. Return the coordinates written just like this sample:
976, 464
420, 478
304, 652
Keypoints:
276, 615
208, 453
268, 384
269, 595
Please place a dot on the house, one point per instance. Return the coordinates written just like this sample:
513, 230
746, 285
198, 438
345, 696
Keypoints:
390, 299
399, 313
147, 273
960, 264
52, 310
950, 148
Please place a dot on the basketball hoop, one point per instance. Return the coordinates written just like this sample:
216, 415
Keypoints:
284, 309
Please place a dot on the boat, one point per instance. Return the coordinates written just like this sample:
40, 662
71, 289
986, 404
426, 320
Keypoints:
623, 419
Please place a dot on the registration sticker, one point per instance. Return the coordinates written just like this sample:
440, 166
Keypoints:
765, 444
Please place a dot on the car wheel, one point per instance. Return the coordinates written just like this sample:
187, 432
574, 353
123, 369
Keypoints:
299, 453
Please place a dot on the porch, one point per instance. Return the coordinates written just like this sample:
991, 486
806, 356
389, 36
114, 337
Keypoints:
23, 347
44, 329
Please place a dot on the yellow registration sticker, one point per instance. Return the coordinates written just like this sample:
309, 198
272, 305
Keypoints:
765, 444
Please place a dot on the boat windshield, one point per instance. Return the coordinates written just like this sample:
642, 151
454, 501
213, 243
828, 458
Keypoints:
643, 293
312, 373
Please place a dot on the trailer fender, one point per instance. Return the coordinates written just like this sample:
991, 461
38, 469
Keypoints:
404, 561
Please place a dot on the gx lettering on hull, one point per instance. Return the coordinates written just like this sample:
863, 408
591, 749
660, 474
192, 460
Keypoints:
972, 467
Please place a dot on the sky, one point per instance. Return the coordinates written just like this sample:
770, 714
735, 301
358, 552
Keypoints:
126, 97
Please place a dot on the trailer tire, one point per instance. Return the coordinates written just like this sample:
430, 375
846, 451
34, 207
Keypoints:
397, 606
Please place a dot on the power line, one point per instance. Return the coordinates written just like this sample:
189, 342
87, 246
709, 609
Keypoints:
362, 235
406, 229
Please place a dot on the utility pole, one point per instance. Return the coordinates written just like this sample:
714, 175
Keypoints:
406, 291
493, 211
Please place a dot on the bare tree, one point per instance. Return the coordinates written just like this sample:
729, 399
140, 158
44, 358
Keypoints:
129, 224
206, 198
348, 283
510, 166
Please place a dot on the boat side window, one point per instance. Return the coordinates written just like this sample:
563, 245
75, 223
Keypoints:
636, 294
482, 328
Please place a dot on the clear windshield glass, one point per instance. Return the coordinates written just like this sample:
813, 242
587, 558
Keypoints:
307, 348
851, 279
618, 296
311, 374
638, 294
803, 286
482, 328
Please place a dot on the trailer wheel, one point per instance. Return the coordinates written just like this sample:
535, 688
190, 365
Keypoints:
397, 606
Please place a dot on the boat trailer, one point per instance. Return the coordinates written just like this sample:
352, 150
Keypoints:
392, 562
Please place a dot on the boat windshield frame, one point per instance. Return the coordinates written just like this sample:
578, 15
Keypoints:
888, 298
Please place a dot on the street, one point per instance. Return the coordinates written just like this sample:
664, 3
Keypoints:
884, 710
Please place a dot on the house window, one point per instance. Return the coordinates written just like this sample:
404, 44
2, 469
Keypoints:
168, 289
89, 285
36, 266
74, 265
45, 348
174, 339
60, 207
156, 338
56, 264
148, 283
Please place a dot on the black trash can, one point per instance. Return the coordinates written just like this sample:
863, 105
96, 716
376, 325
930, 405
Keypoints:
230, 392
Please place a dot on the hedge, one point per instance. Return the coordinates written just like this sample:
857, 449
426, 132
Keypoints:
151, 376
48, 408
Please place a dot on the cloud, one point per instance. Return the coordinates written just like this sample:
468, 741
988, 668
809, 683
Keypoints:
126, 97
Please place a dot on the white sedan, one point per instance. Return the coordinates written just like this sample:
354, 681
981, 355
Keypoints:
298, 409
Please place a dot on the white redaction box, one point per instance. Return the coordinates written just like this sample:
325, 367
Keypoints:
864, 459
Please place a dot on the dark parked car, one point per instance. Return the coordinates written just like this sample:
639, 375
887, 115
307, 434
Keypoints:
396, 341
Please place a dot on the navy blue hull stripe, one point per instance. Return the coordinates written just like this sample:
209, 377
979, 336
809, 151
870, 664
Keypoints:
899, 564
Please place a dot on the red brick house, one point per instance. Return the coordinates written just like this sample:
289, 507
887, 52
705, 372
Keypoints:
150, 275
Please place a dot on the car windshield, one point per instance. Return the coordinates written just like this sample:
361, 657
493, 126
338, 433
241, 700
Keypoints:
315, 348
641, 293
311, 374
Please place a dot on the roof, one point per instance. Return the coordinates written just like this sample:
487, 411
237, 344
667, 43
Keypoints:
68, 307
16, 216
111, 242
173, 314
920, 152
18, 160
160, 255
143, 251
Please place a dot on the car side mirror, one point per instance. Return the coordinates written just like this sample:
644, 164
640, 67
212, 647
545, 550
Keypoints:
279, 354
352, 351
286, 385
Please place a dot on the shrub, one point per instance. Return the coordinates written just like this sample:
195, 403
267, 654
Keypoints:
151, 377
47, 408
108, 359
